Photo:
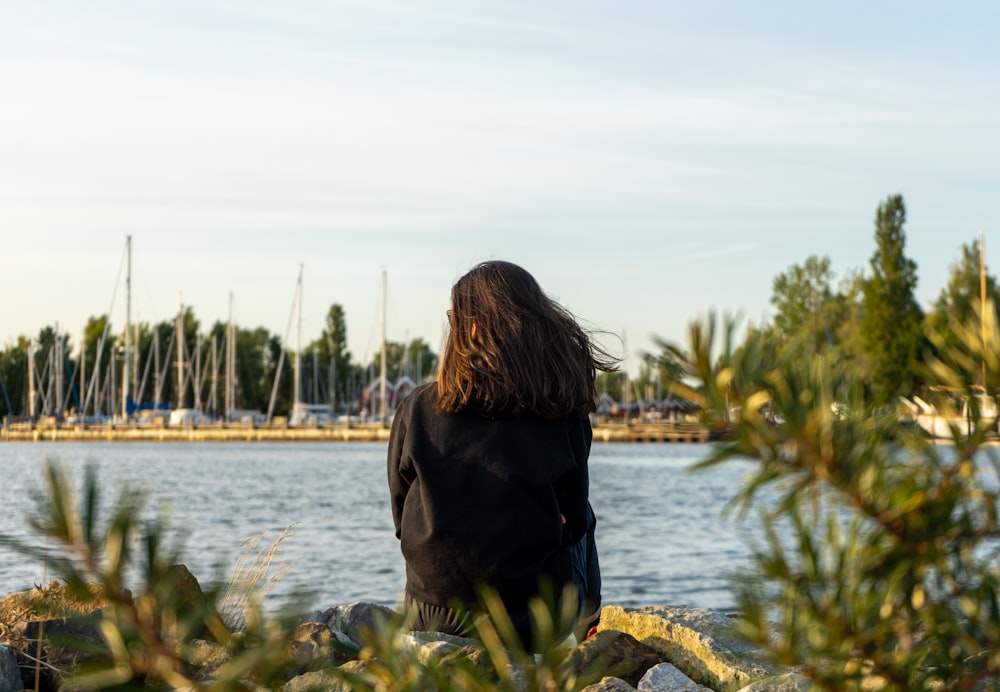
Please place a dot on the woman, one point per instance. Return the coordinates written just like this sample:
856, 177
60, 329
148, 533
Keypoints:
488, 466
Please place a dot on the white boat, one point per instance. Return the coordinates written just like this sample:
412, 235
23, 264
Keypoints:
940, 424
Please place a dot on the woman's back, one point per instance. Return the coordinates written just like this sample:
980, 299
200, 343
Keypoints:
480, 502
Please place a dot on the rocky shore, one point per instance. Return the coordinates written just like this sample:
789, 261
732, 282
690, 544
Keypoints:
656, 648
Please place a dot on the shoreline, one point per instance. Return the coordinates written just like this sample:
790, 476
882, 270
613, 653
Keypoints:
660, 431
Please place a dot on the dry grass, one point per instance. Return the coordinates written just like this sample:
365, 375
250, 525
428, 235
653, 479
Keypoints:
252, 578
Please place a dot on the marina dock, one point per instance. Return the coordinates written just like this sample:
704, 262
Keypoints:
661, 431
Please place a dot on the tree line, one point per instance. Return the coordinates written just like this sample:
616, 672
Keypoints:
870, 322
89, 380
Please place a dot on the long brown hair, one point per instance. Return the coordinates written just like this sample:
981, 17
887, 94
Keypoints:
513, 351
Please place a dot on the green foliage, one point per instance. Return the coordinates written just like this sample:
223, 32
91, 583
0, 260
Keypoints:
612, 384
959, 301
92, 336
662, 369
891, 322
257, 355
414, 359
877, 567
13, 376
803, 300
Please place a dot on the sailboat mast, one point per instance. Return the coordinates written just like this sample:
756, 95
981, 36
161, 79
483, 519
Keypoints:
982, 298
179, 331
230, 353
382, 367
297, 386
31, 380
58, 365
127, 368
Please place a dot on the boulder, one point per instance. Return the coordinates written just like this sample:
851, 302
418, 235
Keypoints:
10, 674
667, 678
356, 619
315, 646
702, 643
785, 682
206, 658
614, 654
609, 685
326, 680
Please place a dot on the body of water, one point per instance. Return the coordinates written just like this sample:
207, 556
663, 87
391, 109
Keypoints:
661, 536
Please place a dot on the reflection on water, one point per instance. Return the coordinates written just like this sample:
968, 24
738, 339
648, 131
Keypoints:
660, 534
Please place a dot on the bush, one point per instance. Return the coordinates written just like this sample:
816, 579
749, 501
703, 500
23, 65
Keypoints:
878, 568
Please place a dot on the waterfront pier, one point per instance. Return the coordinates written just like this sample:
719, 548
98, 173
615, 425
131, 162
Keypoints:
279, 431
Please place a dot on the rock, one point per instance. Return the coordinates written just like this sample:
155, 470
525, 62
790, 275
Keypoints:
326, 680
474, 658
653, 648
61, 618
786, 682
614, 654
700, 642
357, 619
317, 615
316, 646
205, 658
665, 677
10, 674
609, 685
51, 602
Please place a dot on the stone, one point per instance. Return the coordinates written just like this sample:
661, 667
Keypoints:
702, 643
785, 682
474, 658
10, 674
317, 680
609, 685
614, 654
316, 646
205, 658
357, 619
667, 678
323, 615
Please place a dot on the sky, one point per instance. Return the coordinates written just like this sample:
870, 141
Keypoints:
648, 162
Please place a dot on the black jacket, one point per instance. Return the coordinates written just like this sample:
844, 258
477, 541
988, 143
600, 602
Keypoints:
477, 501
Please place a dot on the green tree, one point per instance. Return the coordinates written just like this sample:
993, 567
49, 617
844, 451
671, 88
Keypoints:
659, 372
95, 354
804, 301
159, 354
257, 355
332, 357
612, 384
95, 331
13, 377
960, 300
845, 324
414, 360
334, 338
892, 321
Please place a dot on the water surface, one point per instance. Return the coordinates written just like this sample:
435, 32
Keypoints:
660, 534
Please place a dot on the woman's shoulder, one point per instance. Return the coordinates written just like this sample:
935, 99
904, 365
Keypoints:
423, 397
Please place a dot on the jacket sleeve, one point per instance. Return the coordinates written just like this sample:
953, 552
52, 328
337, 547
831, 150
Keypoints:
573, 489
399, 483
